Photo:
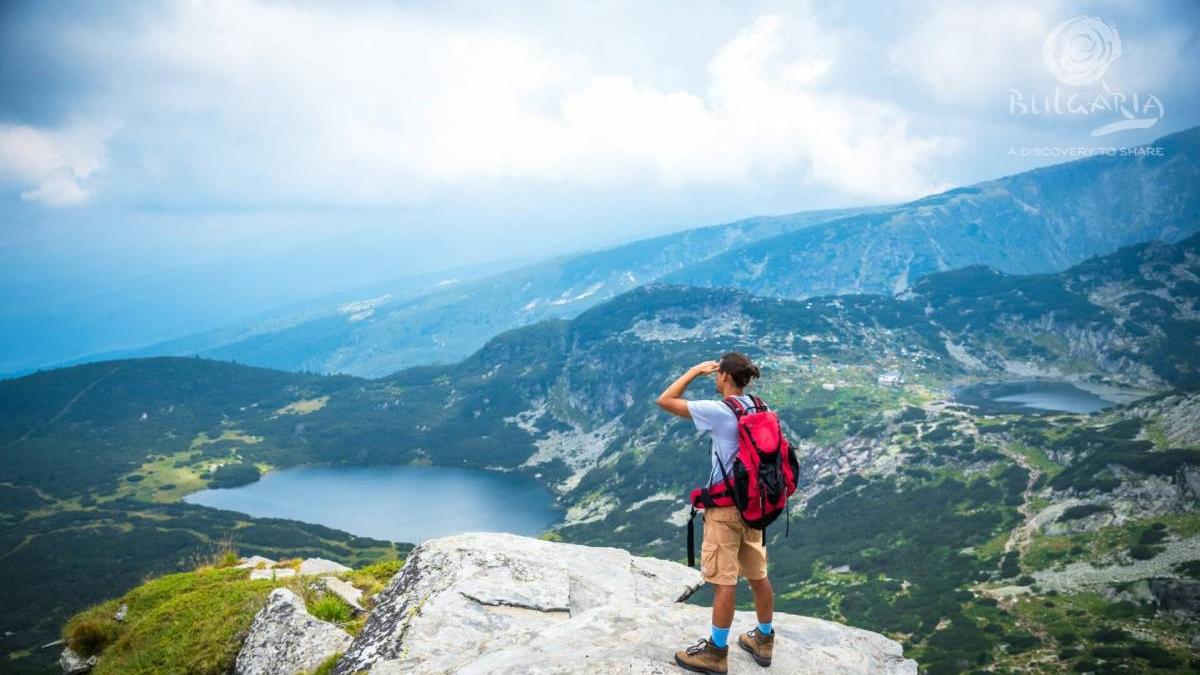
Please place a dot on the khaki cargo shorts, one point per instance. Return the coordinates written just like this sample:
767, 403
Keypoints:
731, 548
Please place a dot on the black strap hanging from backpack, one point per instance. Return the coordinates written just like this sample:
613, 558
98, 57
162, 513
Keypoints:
691, 539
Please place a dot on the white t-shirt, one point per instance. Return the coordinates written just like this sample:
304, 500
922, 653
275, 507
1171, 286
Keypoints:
716, 418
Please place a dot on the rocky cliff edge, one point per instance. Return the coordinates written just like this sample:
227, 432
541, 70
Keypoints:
500, 603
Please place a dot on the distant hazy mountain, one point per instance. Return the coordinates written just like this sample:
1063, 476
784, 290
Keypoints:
372, 335
1039, 221
106, 315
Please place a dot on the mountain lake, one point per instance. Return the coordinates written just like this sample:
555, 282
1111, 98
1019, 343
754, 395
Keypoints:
397, 503
1034, 396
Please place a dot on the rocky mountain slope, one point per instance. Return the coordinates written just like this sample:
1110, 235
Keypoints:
1039, 221
380, 333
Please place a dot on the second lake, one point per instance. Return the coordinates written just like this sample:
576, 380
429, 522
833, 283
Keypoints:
1041, 396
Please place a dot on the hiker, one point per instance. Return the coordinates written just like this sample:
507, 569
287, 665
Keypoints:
731, 547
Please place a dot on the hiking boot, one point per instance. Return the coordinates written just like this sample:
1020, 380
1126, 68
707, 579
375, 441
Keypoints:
760, 646
704, 657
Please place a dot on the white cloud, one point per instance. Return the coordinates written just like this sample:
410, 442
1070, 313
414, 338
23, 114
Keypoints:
57, 163
972, 52
57, 190
251, 102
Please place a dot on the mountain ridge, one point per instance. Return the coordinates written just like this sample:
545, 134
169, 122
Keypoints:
1038, 221
1041, 220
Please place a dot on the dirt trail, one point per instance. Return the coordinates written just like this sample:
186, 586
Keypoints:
67, 407
1022, 534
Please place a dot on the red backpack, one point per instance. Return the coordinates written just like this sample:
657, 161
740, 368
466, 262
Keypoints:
762, 477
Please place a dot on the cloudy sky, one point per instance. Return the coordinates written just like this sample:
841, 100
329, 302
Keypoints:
233, 155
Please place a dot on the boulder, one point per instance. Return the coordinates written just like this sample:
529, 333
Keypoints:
272, 573
500, 603
322, 566
1176, 595
74, 664
254, 561
344, 590
285, 639
121, 613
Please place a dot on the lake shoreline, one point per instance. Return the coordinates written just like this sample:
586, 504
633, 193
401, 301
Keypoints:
1033, 396
395, 502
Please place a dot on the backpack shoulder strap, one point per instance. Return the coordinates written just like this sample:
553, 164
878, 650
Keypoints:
736, 406
759, 406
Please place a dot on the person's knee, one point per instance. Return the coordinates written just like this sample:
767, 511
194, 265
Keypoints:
762, 584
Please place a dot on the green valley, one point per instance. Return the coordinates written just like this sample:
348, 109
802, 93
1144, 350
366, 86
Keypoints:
921, 518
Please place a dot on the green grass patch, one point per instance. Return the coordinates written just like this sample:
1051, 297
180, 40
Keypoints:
1037, 458
327, 665
332, 609
190, 622
375, 577
194, 622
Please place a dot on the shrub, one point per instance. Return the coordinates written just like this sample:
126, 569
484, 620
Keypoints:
1010, 565
1082, 511
1109, 635
938, 433
1143, 552
1020, 642
1190, 568
1066, 638
1120, 610
1152, 536
1157, 656
88, 634
331, 608
233, 475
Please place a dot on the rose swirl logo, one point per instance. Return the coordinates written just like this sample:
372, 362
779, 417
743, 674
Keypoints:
1079, 50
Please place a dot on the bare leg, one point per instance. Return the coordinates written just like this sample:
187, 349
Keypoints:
722, 611
764, 600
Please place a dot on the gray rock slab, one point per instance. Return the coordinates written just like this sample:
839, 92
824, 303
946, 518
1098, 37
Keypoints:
285, 639
74, 664
272, 573
254, 561
345, 590
500, 603
321, 566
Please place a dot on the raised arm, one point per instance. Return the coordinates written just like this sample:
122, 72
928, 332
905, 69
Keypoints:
672, 399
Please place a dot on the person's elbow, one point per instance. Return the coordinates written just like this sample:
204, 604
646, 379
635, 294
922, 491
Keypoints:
675, 406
